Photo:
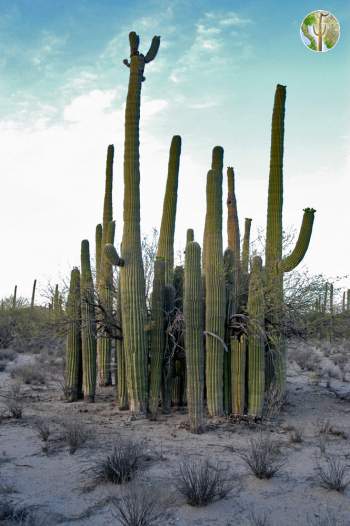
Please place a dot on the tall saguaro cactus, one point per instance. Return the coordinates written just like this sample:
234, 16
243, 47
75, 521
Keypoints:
245, 247
132, 273
98, 251
233, 235
275, 265
194, 335
105, 274
214, 287
73, 373
167, 228
157, 335
14, 298
88, 325
256, 340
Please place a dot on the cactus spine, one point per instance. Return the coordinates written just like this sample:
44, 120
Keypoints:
73, 376
132, 273
167, 229
214, 287
194, 336
157, 334
32, 301
88, 329
274, 264
256, 340
105, 275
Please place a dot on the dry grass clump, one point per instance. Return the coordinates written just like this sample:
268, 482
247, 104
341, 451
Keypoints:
327, 519
332, 473
29, 375
121, 465
74, 434
138, 507
201, 482
296, 436
263, 457
43, 429
256, 519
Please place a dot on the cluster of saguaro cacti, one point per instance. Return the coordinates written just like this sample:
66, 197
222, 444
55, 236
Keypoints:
215, 330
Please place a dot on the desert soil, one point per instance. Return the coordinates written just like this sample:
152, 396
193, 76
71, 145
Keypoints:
58, 485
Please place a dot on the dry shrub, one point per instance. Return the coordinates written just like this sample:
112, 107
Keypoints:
28, 374
263, 457
74, 435
13, 400
138, 507
121, 465
332, 473
201, 482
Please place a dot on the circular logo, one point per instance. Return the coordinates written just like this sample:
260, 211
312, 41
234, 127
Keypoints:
320, 31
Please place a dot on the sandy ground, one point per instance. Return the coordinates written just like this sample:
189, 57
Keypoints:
58, 483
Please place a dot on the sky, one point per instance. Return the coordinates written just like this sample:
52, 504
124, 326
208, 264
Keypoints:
62, 100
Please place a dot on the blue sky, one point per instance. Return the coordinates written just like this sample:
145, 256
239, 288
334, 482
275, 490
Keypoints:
62, 93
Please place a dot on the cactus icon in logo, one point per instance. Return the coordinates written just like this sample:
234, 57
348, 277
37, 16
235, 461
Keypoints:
320, 31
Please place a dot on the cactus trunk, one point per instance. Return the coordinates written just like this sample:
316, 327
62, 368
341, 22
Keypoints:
194, 336
32, 302
73, 372
238, 373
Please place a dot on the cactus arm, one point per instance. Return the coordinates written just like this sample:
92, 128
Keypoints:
153, 50
112, 255
245, 247
292, 261
165, 248
189, 235
233, 236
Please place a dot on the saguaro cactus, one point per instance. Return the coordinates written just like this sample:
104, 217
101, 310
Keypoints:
274, 264
73, 373
214, 287
105, 281
321, 30
88, 325
132, 274
157, 335
245, 247
167, 228
256, 340
14, 298
233, 235
238, 373
32, 302
122, 390
194, 336
98, 249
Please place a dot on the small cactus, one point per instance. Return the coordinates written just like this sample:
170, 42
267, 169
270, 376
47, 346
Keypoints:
73, 372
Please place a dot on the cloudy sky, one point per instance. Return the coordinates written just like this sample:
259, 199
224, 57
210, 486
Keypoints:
62, 93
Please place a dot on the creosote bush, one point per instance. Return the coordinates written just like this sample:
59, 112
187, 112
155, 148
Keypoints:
121, 465
201, 482
333, 473
263, 457
137, 507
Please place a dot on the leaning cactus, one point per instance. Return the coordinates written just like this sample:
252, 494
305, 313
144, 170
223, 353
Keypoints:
275, 265
194, 336
256, 340
214, 287
88, 325
157, 335
73, 372
167, 229
132, 273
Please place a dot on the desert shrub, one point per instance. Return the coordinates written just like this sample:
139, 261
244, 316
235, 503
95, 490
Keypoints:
201, 482
13, 400
121, 465
296, 436
305, 357
263, 457
137, 507
43, 429
28, 374
332, 473
273, 403
256, 519
74, 435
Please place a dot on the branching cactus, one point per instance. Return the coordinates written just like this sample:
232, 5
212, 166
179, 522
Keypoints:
214, 288
256, 339
157, 335
73, 373
238, 373
194, 336
320, 30
167, 228
275, 265
32, 302
88, 328
132, 273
